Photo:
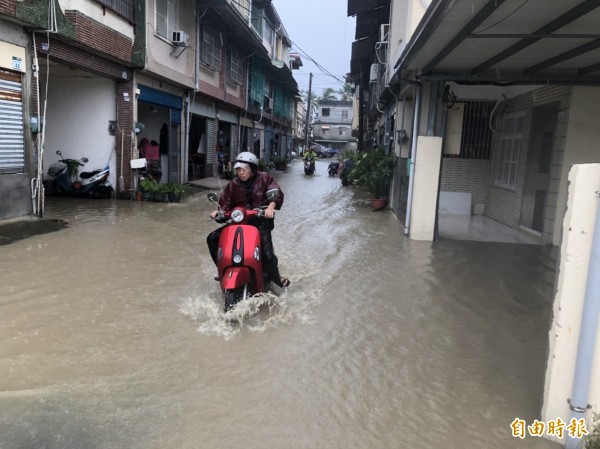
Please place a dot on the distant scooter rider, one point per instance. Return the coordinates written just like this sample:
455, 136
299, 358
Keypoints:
248, 189
309, 155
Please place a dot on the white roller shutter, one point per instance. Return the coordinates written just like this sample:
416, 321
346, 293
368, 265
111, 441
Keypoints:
12, 147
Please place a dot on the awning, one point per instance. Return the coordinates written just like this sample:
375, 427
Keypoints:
505, 41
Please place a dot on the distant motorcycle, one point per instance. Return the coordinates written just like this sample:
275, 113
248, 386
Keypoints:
333, 168
309, 166
69, 182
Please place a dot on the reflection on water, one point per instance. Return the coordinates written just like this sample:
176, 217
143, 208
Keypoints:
114, 334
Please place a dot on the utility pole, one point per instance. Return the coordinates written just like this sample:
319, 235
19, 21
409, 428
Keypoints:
308, 113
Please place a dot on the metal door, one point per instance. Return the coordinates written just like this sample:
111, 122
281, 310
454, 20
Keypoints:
539, 164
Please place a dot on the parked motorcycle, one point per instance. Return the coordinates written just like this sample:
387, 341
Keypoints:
68, 181
239, 260
309, 166
333, 168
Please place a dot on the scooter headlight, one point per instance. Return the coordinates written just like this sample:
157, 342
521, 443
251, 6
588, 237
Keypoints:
237, 216
237, 258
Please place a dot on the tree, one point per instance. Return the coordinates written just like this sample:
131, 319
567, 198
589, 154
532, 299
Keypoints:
346, 92
328, 95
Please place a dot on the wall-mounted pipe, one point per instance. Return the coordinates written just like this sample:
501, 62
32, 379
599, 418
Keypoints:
587, 337
413, 157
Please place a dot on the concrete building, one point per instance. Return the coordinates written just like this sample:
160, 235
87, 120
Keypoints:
488, 105
92, 77
332, 125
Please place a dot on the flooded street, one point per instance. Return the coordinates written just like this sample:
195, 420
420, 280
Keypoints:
113, 334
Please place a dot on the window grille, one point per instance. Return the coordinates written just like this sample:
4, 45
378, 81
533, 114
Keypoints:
123, 8
344, 114
235, 67
476, 135
325, 112
506, 155
211, 48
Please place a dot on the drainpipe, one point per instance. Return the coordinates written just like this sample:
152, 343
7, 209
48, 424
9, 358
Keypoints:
413, 157
587, 336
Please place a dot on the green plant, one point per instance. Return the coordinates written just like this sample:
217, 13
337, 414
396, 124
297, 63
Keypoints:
165, 187
148, 185
373, 170
262, 166
592, 440
279, 162
178, 189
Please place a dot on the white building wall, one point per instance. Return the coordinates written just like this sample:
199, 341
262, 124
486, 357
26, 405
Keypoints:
79, 108
578, 229
581, 142
166, 60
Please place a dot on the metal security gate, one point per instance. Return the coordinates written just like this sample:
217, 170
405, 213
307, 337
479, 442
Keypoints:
12, 144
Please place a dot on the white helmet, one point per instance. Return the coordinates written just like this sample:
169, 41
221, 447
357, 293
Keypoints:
247, 157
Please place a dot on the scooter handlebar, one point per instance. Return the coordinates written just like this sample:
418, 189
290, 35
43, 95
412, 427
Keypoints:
223, 217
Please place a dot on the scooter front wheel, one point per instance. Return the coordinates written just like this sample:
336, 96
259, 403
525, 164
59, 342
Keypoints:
232, 297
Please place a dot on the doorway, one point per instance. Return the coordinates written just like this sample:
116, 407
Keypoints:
539, 164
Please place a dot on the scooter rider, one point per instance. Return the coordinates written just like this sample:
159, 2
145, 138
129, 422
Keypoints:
249, 188
309, 155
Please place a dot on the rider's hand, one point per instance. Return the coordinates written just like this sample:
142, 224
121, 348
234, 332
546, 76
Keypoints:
270, 211
214, 214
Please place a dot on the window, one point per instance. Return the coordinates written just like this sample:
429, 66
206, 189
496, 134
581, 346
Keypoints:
325, 112
341, 131
344, 114
235, 66
476, 135
123, 8
506, 155
256, 20
166, 14
211, 48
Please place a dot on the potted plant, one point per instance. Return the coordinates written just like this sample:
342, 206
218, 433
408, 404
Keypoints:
279, 163
373, 170
262, 166
179, 190
174, 191
148, 187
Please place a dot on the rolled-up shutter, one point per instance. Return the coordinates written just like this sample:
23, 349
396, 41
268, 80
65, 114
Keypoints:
12, 147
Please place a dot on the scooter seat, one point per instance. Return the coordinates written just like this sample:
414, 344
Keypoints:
88, 174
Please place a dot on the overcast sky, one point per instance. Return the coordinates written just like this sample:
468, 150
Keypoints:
321, 30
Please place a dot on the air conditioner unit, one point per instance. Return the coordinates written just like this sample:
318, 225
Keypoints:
384, 33
180, 38
374, 73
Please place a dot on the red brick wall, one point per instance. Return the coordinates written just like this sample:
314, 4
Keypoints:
99, 37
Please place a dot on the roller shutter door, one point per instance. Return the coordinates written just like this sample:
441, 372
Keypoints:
12, 146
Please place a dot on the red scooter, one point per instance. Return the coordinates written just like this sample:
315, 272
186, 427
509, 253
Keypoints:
239, 258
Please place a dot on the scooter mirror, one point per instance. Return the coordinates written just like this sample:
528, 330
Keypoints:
272, 194
212, 196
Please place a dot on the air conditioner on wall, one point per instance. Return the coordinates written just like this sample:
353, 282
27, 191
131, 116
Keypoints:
374, 73
180, 38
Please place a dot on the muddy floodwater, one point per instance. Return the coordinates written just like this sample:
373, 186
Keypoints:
113, 334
